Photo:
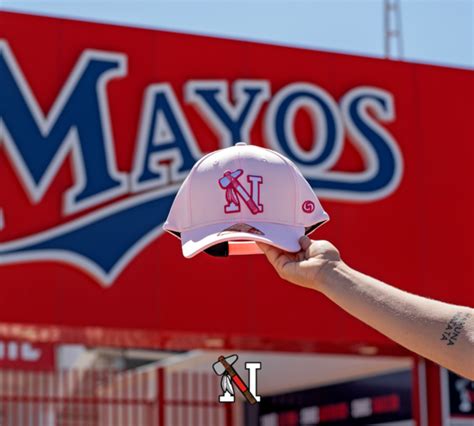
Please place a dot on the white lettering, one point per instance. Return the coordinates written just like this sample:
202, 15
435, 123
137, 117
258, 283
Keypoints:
232, 123
252, 367
13, 351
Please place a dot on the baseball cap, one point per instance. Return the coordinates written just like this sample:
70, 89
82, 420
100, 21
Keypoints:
236, 196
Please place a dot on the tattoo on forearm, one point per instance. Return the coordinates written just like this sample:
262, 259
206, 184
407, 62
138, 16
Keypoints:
454, 328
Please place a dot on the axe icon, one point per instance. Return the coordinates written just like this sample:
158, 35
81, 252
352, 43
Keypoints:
223, 367
230, 182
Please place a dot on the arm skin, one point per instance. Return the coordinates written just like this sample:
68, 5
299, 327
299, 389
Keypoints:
435, 330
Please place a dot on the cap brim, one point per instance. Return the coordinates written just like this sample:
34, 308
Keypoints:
284, 237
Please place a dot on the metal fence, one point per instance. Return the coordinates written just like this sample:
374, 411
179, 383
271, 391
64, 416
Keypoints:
110, 398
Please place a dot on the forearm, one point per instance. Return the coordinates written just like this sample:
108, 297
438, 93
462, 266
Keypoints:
438, 331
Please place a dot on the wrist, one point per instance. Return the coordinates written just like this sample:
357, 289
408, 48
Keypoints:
330, 272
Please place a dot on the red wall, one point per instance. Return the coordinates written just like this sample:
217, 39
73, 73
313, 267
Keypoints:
418, 237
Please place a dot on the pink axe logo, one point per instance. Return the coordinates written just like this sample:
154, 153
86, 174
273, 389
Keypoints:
234, 191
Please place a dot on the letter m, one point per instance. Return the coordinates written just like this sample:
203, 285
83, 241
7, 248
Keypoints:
78, 123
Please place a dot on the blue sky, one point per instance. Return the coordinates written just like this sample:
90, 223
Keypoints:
434, 31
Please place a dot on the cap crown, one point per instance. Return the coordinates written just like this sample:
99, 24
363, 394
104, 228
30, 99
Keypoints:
244, 183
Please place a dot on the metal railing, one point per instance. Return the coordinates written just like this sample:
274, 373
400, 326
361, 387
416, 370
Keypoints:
111, 398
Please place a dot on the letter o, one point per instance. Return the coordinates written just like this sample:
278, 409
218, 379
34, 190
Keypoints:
324, 112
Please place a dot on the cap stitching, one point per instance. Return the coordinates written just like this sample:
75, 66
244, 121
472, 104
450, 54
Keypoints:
297, 191
239, 162
188, 200
297, 194
188, 192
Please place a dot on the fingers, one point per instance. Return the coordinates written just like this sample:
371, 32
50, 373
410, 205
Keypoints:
305, 242
310, 248
274, 255
279, 259
300, 256
313, 250
307, 247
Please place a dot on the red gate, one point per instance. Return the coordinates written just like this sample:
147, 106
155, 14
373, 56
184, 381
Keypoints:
104, 398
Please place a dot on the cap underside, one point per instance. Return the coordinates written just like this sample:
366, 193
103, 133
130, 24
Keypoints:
282, 236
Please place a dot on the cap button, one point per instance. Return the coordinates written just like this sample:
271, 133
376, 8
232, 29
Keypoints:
240, 144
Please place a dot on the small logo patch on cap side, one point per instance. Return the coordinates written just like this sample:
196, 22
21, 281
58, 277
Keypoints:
308, 206
241, 227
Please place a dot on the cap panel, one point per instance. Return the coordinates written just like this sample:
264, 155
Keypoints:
276, 188
242, 183
309, 210
207, 196
179, 215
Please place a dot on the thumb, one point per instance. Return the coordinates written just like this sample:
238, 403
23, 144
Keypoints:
269, 251
262, 246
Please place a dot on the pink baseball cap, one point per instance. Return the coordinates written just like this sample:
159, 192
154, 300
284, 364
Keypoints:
235, 196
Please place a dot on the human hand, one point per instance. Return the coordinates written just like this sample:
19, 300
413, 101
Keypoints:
306, 268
